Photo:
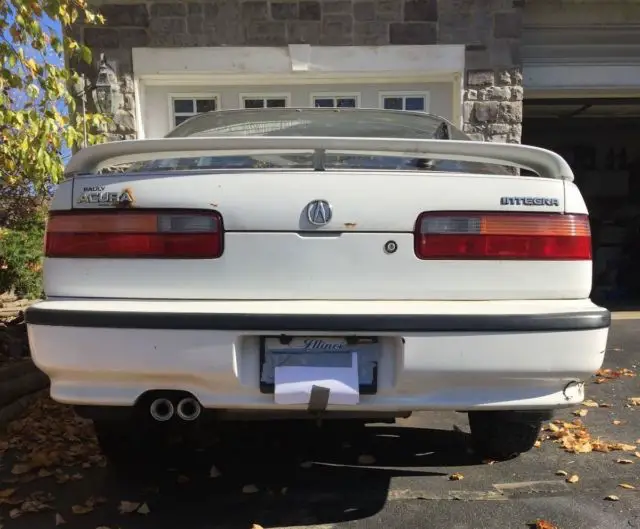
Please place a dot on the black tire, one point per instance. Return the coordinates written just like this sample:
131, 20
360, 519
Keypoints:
132, 449
502, 435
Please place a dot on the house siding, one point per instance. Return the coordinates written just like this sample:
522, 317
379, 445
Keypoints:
490, 29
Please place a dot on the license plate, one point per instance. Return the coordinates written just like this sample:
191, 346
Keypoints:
320, 352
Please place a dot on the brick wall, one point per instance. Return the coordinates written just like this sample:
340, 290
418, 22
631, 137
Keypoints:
491, 30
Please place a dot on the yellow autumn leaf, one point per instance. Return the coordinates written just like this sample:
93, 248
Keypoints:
544, 524
626, 486
456, 476
31, 66
573, 478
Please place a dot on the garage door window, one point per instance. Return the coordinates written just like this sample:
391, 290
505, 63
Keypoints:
334, 101
184, 108
406, 101
257, 101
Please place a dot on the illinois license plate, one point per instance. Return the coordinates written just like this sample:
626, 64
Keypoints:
320, 352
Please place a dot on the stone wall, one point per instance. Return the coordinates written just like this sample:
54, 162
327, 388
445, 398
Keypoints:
490, 29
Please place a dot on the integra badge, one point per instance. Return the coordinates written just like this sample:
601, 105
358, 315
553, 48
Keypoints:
98, 196
529, 201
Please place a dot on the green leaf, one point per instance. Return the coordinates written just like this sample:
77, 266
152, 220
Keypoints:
35, 92
86, 54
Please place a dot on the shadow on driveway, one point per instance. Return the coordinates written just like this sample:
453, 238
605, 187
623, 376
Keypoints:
270, 474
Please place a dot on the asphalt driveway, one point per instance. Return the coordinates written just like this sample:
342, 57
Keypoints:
396, 476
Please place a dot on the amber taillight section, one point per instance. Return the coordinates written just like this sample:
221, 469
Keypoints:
529, 236
135, 235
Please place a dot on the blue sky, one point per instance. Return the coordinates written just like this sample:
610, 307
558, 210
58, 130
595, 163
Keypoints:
53, 27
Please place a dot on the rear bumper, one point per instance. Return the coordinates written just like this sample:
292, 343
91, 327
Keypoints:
454, 355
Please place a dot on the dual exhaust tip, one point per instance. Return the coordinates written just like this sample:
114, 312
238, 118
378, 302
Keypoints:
162, 409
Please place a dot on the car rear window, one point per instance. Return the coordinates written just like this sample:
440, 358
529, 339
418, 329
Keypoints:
336, 123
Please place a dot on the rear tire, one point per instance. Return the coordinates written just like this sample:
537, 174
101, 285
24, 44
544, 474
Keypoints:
502, 435
131, 448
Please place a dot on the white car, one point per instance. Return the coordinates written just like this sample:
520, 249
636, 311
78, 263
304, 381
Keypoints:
316, 263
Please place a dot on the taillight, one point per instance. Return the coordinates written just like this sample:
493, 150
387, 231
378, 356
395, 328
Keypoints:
135, 234
463, 235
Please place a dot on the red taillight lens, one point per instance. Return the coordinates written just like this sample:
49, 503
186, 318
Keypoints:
533, 236
135, 234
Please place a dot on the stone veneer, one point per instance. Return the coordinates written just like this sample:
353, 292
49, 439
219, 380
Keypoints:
491, 30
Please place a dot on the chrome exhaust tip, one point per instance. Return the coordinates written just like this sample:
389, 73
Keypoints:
162, 409
189, 409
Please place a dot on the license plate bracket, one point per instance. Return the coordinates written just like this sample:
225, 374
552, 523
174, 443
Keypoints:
368, 349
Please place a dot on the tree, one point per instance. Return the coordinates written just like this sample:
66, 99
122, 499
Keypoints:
38, 118
39, 124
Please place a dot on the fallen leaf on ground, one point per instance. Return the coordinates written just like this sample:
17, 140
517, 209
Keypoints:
128, 506
249, 489
6, 493
49, 434
59, 519
256, 526
81, 509
456, 476
624, 461
581, 413
617, 422
626, 486
573, 479
590, 404
637, 454
634, 401
611, 374
574, 438
537, 444
561, 473
144, 509
366, 459
14, 513
612, 497
214, 472
544, 524
622, 446
20, 468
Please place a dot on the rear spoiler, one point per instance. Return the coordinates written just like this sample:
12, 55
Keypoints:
545, 163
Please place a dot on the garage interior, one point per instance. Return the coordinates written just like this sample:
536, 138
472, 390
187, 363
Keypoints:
600, 138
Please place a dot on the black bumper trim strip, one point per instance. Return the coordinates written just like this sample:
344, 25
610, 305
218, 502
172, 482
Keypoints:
280, 323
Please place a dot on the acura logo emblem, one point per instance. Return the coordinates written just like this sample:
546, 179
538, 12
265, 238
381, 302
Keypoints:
319, 212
